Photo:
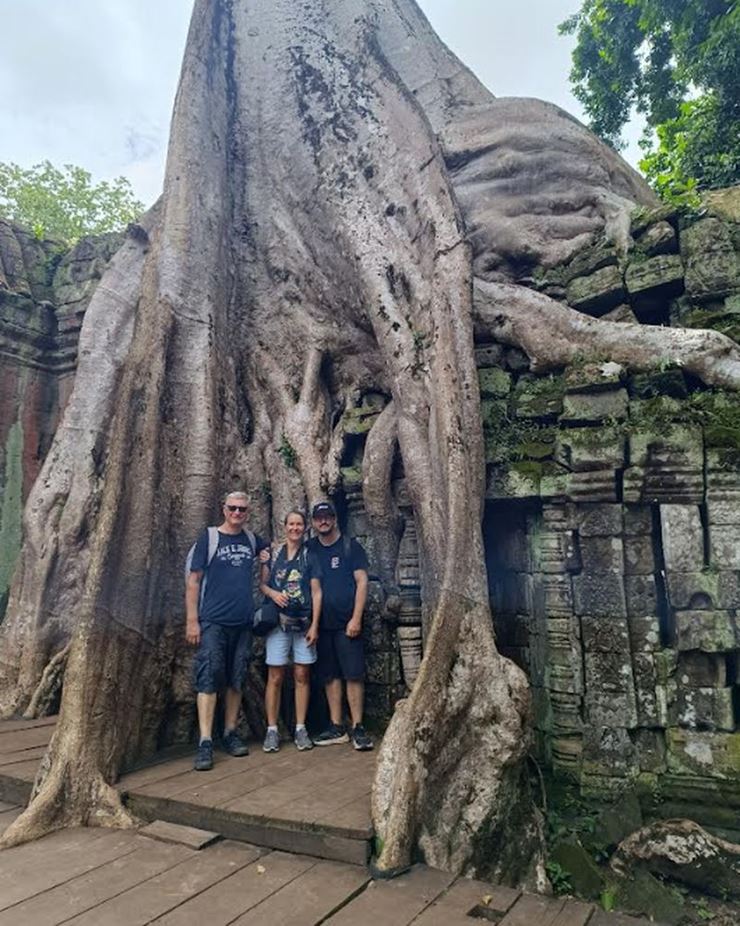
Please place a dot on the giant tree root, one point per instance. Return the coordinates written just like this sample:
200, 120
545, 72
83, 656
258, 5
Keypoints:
67, 797
553, 335
683, 851
48, 688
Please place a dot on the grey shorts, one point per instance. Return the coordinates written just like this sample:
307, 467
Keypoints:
222, 658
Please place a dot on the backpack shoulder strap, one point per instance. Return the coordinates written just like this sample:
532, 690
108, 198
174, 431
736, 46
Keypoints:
347, 546
212, 543
252, 542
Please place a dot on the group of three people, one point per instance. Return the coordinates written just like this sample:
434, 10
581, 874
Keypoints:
318, 588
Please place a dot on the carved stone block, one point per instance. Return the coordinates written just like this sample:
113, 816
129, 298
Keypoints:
644, 631
708, 631
705, 709
701, 670
599, 520
599, 595
663, 272
639, 555
713, 755
638, 520
596, 486
595, 407
724, 545
599, 292
582, 449
683, 538
602, 554
710, 259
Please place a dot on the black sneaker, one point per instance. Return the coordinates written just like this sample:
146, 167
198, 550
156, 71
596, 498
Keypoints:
335, 733
204, 757
234, 744
360, 740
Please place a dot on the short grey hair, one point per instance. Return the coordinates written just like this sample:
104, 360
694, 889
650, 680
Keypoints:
235, 495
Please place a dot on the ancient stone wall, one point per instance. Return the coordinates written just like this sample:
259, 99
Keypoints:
613, 529
44, 291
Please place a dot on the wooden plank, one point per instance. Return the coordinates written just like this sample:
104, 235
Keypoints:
155, 772
396, 902
22, 770
289, 791
600, 918
534, 909
200, 872
226, 782
175, 833
574, 913
12, 741
310, 898
11, 726
232, 897
7, 817
86, 891
29, 869
24, 755
15, 790
260, 831
469, 898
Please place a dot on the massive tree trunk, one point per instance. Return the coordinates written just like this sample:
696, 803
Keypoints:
336, 182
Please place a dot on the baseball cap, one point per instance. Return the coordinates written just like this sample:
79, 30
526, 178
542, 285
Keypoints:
323, 508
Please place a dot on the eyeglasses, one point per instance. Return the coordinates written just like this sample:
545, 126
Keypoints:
240, 508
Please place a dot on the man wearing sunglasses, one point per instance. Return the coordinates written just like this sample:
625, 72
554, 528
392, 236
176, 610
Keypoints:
220, 611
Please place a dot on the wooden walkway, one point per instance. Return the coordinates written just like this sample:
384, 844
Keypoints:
295, 876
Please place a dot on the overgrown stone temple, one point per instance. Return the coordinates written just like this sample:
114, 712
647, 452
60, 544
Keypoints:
612, 516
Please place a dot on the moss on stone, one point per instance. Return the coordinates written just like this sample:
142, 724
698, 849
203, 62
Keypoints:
11, 508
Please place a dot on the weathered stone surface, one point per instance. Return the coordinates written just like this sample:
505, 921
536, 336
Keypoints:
666, 467
641, 595
644, 895
701, 670
710, 259
645, 216
488, 355
637, 520
599, 596
705, 708
708, 631
723, 204
639, 556
538, 398
658, 239
716, 755
582, 449
598, 292
599, 520
592, 486
683, 538
584, 873
598, 407
651, 750
644, 631
724, 544
703, 590
663, 273
602, 554
608, 752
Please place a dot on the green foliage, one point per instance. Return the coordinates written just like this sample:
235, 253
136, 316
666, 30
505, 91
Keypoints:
608, 899
287, 453
678, 63
559, 878
64, 203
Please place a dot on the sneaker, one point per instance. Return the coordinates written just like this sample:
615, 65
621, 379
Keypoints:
234, 744
204, 757
272, 741
360, 740
303, 740
335, 733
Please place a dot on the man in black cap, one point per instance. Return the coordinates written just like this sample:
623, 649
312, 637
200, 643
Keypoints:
340, 651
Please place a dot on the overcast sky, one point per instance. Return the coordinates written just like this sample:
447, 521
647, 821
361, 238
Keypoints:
91, 82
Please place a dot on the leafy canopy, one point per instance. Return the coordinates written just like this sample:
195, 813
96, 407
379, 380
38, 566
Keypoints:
65, 203
678, 63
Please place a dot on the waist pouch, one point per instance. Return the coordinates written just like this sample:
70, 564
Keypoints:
292, 623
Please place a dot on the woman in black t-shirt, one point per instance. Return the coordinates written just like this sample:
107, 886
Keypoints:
294, 585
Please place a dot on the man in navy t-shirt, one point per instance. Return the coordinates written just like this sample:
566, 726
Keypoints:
340, 653
219, 623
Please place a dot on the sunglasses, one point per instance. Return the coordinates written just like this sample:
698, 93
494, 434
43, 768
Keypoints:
239, 508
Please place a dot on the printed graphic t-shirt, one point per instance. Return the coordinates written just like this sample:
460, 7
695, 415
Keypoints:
230, 578
337, 579
293, 577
